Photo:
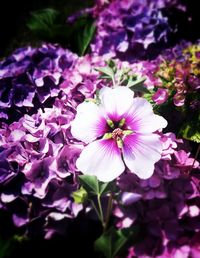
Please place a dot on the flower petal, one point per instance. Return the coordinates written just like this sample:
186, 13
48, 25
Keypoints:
141, 152
101, 158
88, 123
141, 118
117, 101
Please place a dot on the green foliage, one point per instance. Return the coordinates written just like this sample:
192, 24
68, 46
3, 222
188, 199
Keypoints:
122, 77
110, 243
93, 186
5, 247
191, 131
45, 23
190, 128
85, 37
80, 196
50, 24
137, 84
106, 71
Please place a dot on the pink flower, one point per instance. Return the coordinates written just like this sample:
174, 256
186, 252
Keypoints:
119, 132
160, 96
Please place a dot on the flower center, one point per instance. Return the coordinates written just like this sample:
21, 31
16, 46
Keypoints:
117, 134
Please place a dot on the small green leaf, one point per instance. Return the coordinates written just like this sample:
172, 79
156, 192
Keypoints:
106, 71
90, 184
191, 131
137, 85
80, 196
93, 186
111, 63
112, 241
105, 187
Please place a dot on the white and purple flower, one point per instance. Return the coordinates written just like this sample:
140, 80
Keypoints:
119, 131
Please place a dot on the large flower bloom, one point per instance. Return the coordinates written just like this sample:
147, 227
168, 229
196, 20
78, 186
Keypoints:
119, 131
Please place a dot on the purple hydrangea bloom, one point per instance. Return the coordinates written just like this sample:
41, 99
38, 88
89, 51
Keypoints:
132, 30
165, 206
30, 77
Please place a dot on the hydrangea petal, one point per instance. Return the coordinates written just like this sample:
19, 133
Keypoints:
101, 158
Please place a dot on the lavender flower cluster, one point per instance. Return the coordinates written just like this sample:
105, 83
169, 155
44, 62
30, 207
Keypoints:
38, 153
29, 79
166, 206
132, 30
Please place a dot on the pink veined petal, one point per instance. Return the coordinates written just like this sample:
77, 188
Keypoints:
117, 101
141, 152
88, 124
141, 118
101, 158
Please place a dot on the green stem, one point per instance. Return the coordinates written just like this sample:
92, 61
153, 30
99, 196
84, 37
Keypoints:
108, 212
100, 210
96, 210
113, 80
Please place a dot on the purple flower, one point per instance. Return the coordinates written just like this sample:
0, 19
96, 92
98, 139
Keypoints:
119, 126
160, 96
132, 30
30, 77
39, 174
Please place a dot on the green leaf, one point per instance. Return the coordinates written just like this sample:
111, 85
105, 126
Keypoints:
80, 196
106, 71
44, 22
93, 186
112, 241
90, 184
111, 63
191, 131
106, 187
85, 38
138, 85
5, 247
